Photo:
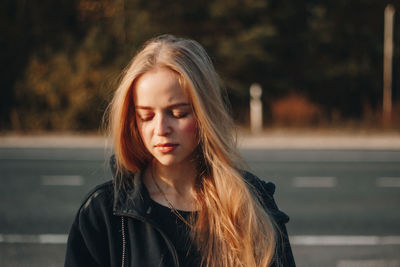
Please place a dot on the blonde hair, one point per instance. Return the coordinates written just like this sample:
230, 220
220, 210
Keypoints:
231, 228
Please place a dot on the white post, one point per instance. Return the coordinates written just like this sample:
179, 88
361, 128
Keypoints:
387, 63
256, 118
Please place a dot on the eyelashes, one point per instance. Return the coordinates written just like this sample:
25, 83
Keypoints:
172, 114
179, 115
145, 118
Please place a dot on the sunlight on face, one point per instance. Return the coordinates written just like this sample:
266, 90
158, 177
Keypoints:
164, 117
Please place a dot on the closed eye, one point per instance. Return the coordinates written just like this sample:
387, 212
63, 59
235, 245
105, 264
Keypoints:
145, 117
179, 114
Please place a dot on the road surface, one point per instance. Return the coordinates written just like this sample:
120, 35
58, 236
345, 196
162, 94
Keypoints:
343, 204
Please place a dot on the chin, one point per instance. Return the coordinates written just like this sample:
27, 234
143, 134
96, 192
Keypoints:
169, 161
166, 161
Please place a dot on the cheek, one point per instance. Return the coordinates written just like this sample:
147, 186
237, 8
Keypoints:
190, 128
144, 133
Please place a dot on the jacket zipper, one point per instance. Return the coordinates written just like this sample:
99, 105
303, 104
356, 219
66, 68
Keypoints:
123, 240
174, 254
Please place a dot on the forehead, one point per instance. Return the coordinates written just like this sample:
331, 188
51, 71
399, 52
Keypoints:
159, 88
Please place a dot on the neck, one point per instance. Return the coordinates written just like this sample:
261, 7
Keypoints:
172, 185
179, 179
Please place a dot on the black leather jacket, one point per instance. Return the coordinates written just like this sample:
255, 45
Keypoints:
113, 228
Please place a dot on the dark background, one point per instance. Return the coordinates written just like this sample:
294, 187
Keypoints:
319, 62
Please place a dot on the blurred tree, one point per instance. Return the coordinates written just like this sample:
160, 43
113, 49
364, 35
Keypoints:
344, 70
28, 27
60, 56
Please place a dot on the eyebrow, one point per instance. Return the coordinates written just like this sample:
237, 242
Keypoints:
178, 105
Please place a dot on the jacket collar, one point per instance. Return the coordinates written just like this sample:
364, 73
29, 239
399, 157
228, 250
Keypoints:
131, 197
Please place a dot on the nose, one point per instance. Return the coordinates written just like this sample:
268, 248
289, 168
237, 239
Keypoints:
162, 127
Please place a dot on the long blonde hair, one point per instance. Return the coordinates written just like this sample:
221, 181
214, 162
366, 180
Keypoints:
231, 228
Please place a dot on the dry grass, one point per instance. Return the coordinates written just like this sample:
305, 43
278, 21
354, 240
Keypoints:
295, 110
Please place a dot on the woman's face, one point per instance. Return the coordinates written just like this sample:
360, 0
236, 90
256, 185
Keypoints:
164, 117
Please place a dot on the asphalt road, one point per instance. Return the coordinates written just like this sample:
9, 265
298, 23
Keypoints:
343, 204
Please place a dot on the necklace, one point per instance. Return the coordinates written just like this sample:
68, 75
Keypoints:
166, 199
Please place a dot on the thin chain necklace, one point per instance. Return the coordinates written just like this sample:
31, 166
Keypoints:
166, 199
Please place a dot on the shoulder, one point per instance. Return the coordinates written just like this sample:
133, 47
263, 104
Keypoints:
262, 187
265, 192
99, 197
90, 233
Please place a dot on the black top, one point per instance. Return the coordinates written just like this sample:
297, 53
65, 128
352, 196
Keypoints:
113, 228
178, 232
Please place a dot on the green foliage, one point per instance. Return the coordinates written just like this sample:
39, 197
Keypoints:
61, 58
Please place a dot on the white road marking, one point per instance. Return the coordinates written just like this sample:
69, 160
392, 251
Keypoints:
388, 182
63, 180
34, 239
53, 239
297, 240
368, 263
314, 182
343, 240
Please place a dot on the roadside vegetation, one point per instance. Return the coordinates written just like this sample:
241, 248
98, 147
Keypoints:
319, 62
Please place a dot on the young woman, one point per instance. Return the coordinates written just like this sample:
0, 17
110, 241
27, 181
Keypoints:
179, 196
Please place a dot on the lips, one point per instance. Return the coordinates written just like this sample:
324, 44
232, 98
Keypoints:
166, 147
